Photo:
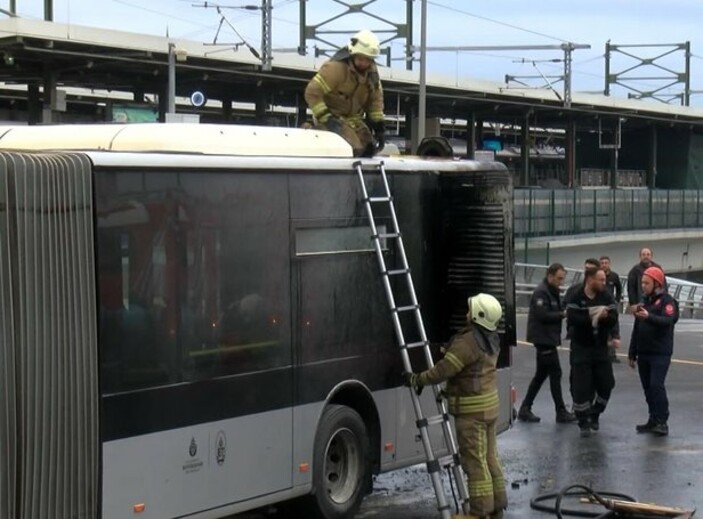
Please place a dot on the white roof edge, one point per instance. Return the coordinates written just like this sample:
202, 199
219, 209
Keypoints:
207, 139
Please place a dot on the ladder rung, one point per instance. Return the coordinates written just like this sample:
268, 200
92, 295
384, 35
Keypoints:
415, 345
379, 199
396, 272
386, 235
449, 460
399, 309
432, 420
445, 461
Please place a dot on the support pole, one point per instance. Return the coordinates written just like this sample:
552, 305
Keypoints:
568, 49
266, 35
48, 10
171, 94
525, 151
471, 136
653, 157
571, 153
422, 111
409, 35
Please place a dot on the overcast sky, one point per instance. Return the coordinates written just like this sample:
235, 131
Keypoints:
450, 23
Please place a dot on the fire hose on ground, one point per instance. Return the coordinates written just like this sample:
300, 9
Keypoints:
616, 505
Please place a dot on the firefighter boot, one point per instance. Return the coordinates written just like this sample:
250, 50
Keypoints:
498, 514
645, 427
595, 422
660, 429
526, 415
564, 416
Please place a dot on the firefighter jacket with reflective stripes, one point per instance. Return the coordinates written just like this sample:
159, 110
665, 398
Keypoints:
339, 89
655, 334
469, 367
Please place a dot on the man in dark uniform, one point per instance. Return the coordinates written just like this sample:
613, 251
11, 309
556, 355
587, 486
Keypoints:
591, 314
652, 345
614, 286
634, 278
589, 263
544, 331
469, 367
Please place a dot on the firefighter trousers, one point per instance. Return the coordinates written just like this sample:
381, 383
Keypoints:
653, 370
592, 381
479, 459
358, 135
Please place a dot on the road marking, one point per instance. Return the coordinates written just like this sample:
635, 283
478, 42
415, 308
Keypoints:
623, 355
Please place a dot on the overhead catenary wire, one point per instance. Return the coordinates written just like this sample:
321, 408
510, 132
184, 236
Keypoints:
497, 22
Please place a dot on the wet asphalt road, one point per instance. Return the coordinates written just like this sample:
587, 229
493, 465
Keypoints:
545, 457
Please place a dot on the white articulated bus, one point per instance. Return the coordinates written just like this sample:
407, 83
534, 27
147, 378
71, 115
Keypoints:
193, 323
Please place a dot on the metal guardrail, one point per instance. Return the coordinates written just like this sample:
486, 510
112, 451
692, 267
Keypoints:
528, 276
560, 212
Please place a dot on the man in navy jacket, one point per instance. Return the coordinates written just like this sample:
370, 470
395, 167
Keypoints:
544, 331
652, 345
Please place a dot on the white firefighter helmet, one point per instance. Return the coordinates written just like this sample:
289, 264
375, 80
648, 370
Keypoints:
485, 310
365, 43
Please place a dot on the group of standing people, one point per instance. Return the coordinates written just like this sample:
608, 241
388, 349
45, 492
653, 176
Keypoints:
591, 310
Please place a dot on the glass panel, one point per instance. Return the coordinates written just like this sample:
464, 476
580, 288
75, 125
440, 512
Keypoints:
336, 240
193, 276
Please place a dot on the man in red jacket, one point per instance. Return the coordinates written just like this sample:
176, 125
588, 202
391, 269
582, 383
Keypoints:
652, 345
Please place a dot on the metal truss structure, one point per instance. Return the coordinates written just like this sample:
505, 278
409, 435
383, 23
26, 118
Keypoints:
668, 78
321, 32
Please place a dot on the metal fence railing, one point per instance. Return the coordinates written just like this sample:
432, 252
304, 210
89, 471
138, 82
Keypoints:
528, 276
558, 212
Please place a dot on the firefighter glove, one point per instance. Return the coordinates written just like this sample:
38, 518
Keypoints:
334, 124
379, 132
412, 380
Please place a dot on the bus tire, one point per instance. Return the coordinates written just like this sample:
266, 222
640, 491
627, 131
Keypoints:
341, 463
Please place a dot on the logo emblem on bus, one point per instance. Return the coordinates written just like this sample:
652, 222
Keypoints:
193, 449
221, 444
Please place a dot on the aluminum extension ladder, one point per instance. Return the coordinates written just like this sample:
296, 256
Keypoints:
434, 464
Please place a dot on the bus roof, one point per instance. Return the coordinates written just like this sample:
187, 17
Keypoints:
206, 139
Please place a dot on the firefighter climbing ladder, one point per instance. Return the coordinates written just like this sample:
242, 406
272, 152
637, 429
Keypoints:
434, 464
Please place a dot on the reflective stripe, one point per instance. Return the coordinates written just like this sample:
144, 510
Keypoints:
319, 109
356, 118
601, 400
473, 404
582, 407
454, 360
376, 116
323, 84
480, 488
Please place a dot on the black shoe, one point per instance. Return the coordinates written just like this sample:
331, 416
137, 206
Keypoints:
645, 427
595, 424
526, 415
564, 416
585, 430
660, 429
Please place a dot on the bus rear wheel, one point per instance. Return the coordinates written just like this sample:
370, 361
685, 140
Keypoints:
341, 465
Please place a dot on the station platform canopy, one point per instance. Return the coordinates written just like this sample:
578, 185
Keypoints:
59, 55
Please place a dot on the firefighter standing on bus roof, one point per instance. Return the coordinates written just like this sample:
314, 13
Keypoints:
347, 88
469, 367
